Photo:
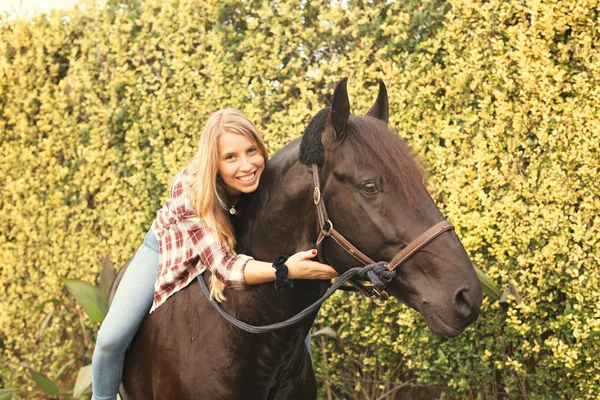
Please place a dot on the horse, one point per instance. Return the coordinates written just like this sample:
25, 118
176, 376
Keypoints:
366, 181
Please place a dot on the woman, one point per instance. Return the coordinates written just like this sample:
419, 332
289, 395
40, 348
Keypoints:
191, 233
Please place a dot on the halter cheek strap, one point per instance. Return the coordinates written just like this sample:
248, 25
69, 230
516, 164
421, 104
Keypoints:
326, 229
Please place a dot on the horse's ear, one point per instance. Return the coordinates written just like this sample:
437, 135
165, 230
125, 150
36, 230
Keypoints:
340, 109
380, 109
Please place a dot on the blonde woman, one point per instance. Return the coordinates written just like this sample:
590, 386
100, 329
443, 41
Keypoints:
193, 232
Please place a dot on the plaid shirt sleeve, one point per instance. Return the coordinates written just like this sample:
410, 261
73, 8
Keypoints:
228, 268
187, 248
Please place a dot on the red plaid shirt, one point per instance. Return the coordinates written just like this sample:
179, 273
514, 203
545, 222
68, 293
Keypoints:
187, 248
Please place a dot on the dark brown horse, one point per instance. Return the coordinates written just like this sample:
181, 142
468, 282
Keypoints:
376, 198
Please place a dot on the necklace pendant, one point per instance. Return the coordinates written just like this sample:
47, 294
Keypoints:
232, 211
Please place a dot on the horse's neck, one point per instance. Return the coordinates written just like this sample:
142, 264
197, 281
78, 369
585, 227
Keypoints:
281, 217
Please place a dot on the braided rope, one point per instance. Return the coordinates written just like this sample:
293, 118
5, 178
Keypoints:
376, 273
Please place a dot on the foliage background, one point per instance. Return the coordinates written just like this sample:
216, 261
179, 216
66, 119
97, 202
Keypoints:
100, 106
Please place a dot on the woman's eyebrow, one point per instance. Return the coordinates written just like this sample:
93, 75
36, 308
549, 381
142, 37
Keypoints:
228, 151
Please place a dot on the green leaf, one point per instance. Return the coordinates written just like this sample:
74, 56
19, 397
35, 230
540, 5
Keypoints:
40, 307
92, 299
107, 276
84, 381
6, 393
487, 285
327, 331
47, 386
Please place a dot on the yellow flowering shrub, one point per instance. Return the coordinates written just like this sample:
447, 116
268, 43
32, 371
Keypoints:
100, 106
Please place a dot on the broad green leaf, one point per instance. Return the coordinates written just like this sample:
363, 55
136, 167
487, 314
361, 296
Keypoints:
47, 386
92, 299
6, 393
487, 285
84, 381
327, 331
107, 275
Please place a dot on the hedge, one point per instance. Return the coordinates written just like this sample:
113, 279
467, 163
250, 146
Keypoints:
101, 105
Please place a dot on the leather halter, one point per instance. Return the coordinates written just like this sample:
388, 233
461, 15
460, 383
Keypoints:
326, 229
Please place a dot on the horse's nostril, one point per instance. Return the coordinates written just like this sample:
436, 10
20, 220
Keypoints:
463, 303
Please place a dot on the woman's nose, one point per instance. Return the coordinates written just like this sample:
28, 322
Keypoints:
246, 163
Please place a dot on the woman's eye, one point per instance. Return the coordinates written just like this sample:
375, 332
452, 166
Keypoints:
368, 187
252, 150
229, 157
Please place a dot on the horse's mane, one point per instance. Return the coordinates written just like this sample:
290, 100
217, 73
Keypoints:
377, 148
311, 148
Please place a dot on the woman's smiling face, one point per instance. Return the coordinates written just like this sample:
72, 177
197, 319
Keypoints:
240, 163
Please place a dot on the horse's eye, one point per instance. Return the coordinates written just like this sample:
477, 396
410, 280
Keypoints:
368, 187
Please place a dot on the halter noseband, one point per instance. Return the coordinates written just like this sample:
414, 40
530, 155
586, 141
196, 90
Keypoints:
326, 229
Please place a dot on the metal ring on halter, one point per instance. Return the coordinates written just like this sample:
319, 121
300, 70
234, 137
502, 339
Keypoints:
317, 196
380, 298
328, 232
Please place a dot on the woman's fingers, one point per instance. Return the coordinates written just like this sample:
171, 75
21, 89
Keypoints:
308, 254
318, 265
301, 266
324, 268
303, 255
323, 271
318, 270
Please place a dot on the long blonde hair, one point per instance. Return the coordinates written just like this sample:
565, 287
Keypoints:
205, 192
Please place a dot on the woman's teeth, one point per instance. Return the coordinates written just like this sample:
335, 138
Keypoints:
247, 178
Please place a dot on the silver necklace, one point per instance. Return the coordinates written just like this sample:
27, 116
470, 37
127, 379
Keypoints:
232, 209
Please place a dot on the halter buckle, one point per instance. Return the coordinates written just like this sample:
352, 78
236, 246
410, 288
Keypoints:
317, 196
380, 298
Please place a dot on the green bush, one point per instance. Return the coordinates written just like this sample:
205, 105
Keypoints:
99, 107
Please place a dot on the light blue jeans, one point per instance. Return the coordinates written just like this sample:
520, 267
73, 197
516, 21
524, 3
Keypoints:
131, 304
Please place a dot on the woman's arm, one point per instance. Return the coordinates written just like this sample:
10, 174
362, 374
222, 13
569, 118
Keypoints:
239, 271
300, 266
235, 271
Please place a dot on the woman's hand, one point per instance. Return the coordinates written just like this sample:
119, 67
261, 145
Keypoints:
300, 266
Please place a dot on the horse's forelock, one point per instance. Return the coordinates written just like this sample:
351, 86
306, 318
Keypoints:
378, 148
311, 148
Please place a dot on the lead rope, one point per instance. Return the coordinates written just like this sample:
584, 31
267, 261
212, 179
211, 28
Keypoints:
377, 273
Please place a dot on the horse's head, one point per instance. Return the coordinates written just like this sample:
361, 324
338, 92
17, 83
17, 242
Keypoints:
375, 197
